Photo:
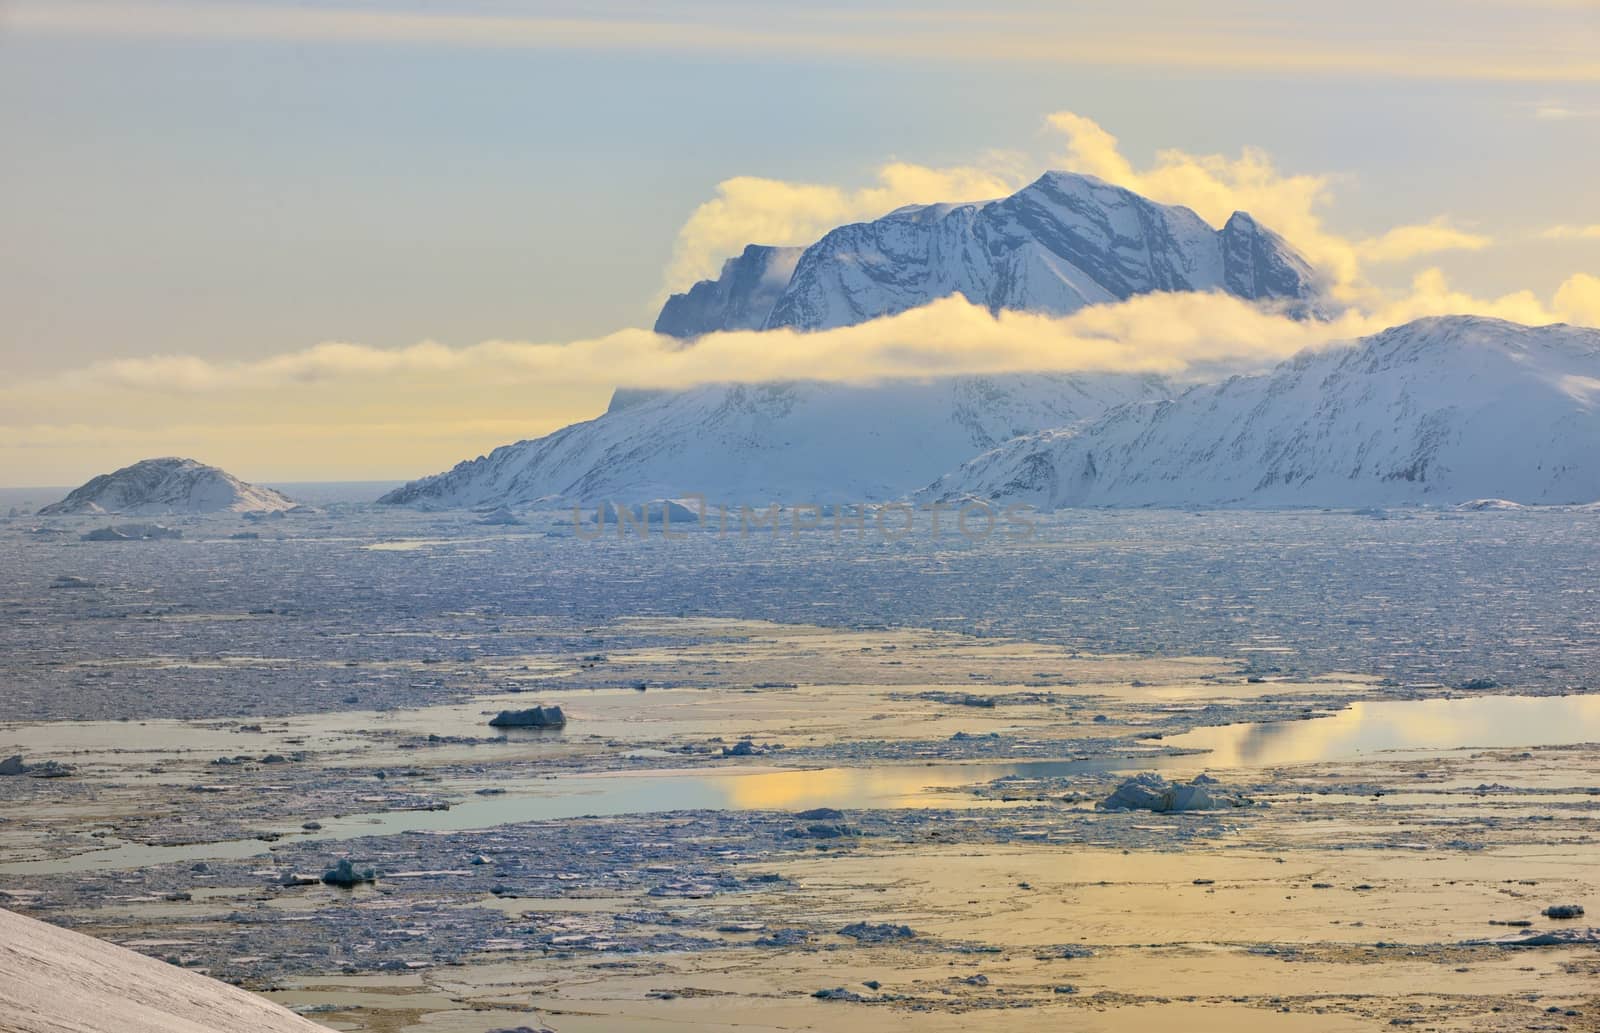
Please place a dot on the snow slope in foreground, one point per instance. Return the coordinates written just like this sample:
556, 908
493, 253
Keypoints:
56, 981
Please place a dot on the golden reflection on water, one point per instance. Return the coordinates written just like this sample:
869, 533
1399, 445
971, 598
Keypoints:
1490, 721
798, 790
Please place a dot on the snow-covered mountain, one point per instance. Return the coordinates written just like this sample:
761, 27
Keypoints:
1442, 410
801, 442
1063, 242
169, 485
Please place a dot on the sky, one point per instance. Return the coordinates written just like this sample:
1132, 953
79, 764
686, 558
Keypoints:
354, 239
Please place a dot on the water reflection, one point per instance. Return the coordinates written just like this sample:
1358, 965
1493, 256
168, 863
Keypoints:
632, 793
1435, 724
528, 733
1491, 721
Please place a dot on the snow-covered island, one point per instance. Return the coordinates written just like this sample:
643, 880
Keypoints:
169, 485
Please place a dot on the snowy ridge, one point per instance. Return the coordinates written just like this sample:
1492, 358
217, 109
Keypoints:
798, 442
1063, 242
1443, 410
170, 485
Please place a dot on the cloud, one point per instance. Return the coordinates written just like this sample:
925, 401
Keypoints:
1365, 38
1404, 242
342, 410
1178, 334
323, 362
1556, 112
1578, 299
1216, 186
1166, 333
1572, 233
753, 210
1432, 295
270, 437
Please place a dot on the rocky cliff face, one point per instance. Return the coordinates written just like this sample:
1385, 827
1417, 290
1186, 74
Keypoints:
740, 299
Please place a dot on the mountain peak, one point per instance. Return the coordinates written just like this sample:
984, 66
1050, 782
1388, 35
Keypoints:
1065, 241
738, 299
1261, 266
1081, 183
1066, 179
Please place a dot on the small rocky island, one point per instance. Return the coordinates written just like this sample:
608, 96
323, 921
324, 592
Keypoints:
535, 717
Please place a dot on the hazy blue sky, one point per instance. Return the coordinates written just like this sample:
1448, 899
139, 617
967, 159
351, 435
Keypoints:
232, 181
